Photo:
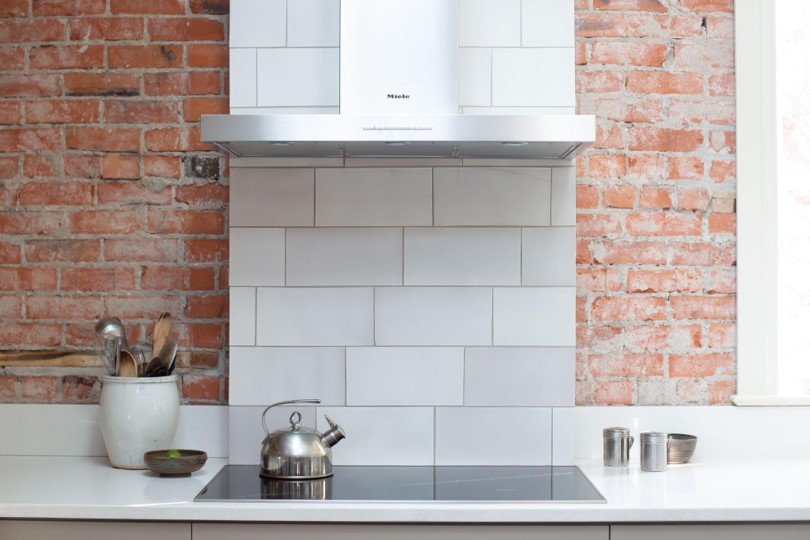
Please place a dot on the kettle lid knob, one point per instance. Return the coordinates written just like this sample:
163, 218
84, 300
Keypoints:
295, 420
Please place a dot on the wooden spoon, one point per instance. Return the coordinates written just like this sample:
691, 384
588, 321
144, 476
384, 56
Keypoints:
161, 333
127, 365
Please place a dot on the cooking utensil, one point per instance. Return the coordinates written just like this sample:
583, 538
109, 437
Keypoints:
142, 351
154, 368
127, 365
296, 452
616, 444
680, 447
172, 354
161, 333
111, 339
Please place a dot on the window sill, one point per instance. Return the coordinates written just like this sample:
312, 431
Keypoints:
753, 400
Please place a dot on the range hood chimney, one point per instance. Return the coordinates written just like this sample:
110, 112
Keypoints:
399, 98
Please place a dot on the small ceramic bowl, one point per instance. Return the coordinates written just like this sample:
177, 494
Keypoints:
175, 462
680, 447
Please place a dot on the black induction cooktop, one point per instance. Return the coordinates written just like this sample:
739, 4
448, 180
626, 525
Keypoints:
552, 484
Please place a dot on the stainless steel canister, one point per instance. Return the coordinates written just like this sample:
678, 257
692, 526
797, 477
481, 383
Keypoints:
653, 451
616, 443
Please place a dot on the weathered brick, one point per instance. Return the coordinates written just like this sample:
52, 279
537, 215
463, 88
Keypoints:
620, 196
210, 7
663, 337
700, 365
213, 306
30, 139
630, 5
171, 278
145, 56
186, 29
40, 388
49, 8
182, 84
56, 194
656, 197
121, 166
29, 334
207, 55
67, 57
614, 393
31, 30
104, 139
628, 308
71, 250
599, 24
161, 166
201, 389
663, 224
624, 252
14, 8
195, 107
160, 250
102, 84
98, 279
62, 112
601, 225
626, 365
141, 112
42, 165
206, 250
629, 53
663, 82
664, 139
217, 194
106, 221
703, 307
599, 280
147, 7
606, 166
106, 29
173, 221
664, 281
64, 307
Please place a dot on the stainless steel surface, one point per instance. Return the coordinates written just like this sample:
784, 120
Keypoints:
319, 489
653, 451
298, 452
458, 136
616, 444
680, 447
110, 340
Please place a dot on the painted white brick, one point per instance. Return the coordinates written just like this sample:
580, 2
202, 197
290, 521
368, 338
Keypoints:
459, 439
316, 23
245, 428
548, 23
549, 257
563, 197
305, 77
462, 256
258, 23
474, 77
263, 375
519, 377
256, 257
535, 316
353, 256
533, 77
272, 197
373, 197
242, 78
433, 316
492, 196
315, 317
242, 310
404, 376
381, 435
562, 421
489, 23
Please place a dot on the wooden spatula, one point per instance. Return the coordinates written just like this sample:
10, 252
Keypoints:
161, 333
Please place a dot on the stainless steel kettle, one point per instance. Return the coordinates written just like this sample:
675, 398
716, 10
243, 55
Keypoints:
297, 452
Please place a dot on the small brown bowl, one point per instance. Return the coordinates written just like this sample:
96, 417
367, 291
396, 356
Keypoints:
680, 447
175, 462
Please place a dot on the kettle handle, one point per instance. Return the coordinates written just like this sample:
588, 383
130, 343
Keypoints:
264, 425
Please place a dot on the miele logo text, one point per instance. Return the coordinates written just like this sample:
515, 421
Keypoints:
399, 96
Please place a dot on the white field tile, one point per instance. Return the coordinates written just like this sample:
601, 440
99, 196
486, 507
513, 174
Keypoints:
242, 310
258, 23
256, 257
548, 23
315, 317
549, 256
259, 375
404, 376
316, 23
304, 77
344, 256
489, 23
563, 197
242, 72
514, 110
474, 77
381, 435
491, 196
462, 256
562, 437
278, 197
245, 431
373, 197
533, 77
541, 317
519, 376
459, 439
433, 316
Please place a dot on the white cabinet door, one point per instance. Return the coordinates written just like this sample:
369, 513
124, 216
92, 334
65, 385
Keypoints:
93, 530
303, 531
758, 531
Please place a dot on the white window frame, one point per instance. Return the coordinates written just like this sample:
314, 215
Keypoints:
757, 364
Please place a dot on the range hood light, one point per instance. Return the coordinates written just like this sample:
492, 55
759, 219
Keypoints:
514, 144
281, 143
397, 143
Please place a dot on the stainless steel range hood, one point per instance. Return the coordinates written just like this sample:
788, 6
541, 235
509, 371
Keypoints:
399, 98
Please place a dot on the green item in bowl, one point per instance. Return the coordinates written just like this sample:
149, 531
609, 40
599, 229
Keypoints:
174, 462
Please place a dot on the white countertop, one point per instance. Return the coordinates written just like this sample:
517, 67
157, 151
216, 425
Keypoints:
88, 488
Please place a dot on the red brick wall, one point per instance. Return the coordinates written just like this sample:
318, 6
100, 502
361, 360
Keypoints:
656, 247
111, 205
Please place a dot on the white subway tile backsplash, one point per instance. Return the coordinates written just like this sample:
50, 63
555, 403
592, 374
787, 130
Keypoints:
489, 23
242, 316
286, 110
242, 73
271, 197
256, 257
381, 435
549, 257
315, 317
519, 376
373, 197
258, 23
474, 77
459, 439
542, 317
547, 23
314, 23
517, 111
344, 256
385, 376
562, 427
533, 77
462, 256
492, 196
245, 428
302, 77
563, 197
262, 375
433, 316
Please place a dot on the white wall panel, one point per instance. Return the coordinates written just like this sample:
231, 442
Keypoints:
542, 317
271, 197
549, 256
314, 23
489, 23
242, 314
298, 77
256, 256
258, 23
533, 77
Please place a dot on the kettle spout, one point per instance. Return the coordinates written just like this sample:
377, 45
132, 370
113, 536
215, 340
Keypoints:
333, 435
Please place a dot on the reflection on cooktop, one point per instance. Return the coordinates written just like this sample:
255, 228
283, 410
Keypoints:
414, 484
